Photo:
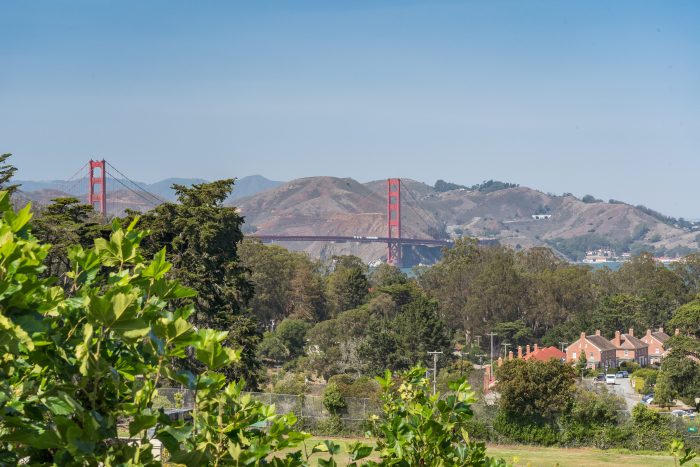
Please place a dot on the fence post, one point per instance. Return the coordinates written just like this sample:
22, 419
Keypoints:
364, 408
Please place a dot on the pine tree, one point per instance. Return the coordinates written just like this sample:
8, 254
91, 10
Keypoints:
7, 171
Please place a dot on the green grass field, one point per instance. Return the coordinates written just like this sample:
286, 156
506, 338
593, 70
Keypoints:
539, 456
579, 457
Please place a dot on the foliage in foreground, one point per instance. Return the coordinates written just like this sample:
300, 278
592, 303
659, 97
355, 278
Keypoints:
81, 360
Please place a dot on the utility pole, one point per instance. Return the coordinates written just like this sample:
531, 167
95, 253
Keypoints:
505, 350
491, 334
435, 357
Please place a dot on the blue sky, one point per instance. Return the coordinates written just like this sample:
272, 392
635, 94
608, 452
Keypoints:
584, 97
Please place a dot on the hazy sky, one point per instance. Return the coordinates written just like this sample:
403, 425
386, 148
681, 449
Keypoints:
583, 97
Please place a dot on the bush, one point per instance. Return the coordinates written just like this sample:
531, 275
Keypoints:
360, 388
333, 400
528, 430
650, 430
291, 383
331, 426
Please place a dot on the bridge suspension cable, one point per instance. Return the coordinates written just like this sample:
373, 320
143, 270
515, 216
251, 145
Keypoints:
415, 211
158, 200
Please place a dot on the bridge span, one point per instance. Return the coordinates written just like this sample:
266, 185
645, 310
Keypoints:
352, 239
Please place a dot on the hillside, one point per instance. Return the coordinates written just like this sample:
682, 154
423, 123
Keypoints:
335, 206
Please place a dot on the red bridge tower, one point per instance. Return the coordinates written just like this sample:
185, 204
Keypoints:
394, 220
94, 195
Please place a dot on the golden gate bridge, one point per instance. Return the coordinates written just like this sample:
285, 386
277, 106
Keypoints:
100, 173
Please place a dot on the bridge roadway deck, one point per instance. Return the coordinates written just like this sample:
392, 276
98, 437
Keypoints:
353, 239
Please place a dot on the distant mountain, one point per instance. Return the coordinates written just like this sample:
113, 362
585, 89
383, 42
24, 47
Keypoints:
164, 189
517, 216
121, 198
251, 185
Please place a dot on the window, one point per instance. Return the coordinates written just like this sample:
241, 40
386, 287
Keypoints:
591, 355
626, 353
657, 350
573, 354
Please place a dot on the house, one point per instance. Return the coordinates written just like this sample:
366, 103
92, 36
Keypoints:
630, 348
656, 341
599, 352
545, 354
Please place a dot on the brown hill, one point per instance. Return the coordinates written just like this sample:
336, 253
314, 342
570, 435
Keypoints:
335, 206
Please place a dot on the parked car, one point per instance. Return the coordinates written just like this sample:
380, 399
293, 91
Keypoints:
684, 414
625, 374
646, 397
610, 379
649, 401
619, 374
600, 378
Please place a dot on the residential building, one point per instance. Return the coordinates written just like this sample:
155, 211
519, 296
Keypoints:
545, 354
656, 341
630, 348
598, 351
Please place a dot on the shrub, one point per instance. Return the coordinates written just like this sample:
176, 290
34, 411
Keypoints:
333, 399
525, 429
84, 360
291, 383
424, 429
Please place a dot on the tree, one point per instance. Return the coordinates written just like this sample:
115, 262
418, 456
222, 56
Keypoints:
681, 372
386, 275
663, 392
7, 171
292, 334
687, 318
420, 330
536, 389
306, 296
201, 236
65, 223
347, 284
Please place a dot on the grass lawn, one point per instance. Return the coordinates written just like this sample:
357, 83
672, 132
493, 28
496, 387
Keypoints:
537, 456
578, 457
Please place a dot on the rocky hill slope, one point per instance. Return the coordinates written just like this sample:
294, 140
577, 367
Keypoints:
343, 206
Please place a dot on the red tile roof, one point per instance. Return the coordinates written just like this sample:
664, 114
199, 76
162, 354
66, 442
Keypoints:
546, 354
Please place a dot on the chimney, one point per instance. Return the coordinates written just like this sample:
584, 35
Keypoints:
510, 355
520, 351
500, 361
648, 332
631, 332
536, 348
583, 336
527, 349
597, 332
617, 338
678, 332
661, 329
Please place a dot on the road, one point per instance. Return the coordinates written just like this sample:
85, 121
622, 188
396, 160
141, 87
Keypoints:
623, 388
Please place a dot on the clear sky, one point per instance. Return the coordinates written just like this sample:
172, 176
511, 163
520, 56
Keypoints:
599, 97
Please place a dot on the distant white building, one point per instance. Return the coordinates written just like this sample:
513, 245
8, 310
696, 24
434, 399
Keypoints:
540, 217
